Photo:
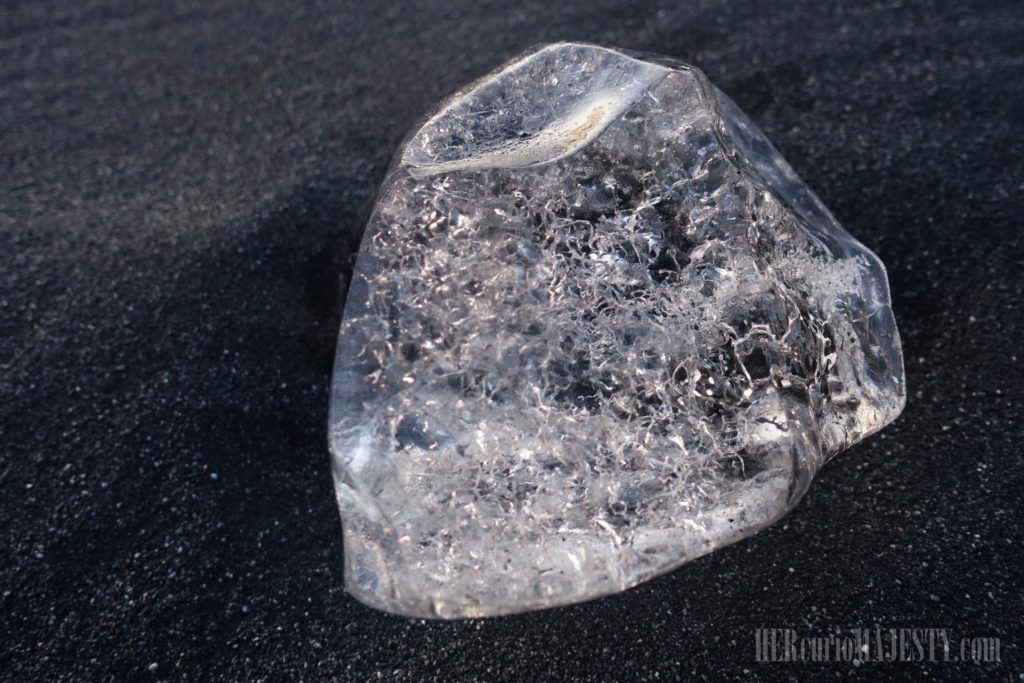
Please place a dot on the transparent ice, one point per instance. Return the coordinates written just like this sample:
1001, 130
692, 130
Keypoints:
597, 328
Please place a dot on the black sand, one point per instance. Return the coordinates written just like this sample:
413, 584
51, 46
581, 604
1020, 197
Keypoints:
181, 187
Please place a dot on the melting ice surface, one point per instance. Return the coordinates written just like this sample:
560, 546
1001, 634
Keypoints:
597, 328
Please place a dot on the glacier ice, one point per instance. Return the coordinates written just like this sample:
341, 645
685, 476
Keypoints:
597, 328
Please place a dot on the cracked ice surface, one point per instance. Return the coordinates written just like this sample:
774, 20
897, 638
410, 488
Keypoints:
597, 328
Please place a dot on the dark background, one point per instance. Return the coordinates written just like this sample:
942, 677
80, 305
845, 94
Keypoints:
182, 186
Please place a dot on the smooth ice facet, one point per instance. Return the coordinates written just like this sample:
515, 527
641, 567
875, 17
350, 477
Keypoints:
597, 328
